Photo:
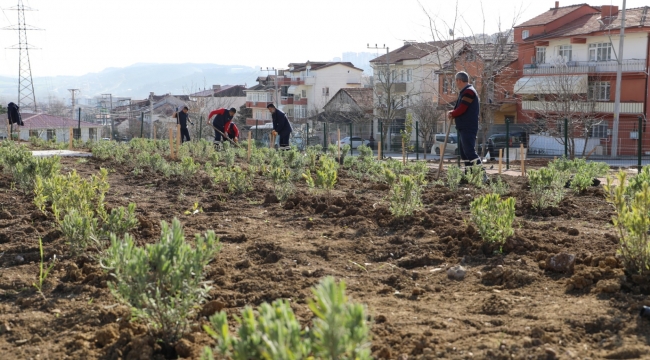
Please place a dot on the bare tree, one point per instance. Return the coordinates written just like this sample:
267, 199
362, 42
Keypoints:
566, 98
488, 59
428, 115
56, 107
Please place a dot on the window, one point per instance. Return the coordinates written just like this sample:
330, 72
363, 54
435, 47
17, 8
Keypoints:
76, 133
33, 133
393, 76
402, 76
409, 75
300, 111
525, 34
92, 134
326, 91
599, 131
565, 52
600, 52
540, 55
304, 94
470, 56
599, 91
445, 86
51, 134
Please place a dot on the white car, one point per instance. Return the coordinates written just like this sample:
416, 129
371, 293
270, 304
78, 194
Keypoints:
452, 144
354, 142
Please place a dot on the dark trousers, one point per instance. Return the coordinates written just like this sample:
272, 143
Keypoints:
284, 138
467, 147
218, 136
185, 134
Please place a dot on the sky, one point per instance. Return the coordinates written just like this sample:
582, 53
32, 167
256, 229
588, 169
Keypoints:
85, 36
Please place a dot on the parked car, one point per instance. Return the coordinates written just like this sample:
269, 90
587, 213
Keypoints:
354, 142
498, 141
452, 144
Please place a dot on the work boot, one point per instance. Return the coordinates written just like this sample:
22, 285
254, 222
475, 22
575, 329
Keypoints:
218, 145
284, 148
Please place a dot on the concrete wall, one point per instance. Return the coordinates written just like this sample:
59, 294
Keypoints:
62, 134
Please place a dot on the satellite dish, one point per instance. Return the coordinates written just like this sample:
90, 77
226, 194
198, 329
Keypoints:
601, 22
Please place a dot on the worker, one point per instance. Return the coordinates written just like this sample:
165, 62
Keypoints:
181, 119
281, 126
233, 132
221, 121
466, 115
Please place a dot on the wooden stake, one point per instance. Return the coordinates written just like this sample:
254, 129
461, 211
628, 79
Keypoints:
338, 131
171, 143
178, 138
154, 132
71, 138
379, 150
521, 155
500, 160
403, 153
249, 145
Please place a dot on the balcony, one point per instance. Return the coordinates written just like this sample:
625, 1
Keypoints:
399, 87
288, 81
257, 104
286, 100
584, 67
600, 107
299, 101
253, 122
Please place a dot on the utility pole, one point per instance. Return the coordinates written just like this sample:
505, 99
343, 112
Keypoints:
110, 114
73, 92
388, 88
619, 73
26, 97
151, 115
276, 95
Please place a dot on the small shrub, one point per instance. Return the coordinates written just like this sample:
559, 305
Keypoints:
78, 230
339, 331
229, 157
162, 282
120, 221
188, 167
632, 220
636, 182
474, 176
239, 181
395, 166
405, 197
282, 186
493, 217
547, 187
365, 151
349, 162
345, 149
333, 150
419, 170
585, 174
326, 176
43, 271
390, 177
499, 186
454, 176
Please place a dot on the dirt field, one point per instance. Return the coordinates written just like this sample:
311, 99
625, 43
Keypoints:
508, 306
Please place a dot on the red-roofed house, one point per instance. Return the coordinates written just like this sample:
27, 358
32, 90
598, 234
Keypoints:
49, 127
581, 42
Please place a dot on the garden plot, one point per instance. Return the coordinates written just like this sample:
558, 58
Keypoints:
541, 281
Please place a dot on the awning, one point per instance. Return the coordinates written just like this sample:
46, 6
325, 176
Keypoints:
292, 89
557, 84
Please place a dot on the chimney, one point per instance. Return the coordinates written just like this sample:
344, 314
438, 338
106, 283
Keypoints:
557, 4
216, 87
608, 11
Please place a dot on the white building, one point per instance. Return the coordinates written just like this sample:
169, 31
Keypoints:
48, 127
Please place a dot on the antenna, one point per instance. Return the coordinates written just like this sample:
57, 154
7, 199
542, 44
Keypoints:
26, 97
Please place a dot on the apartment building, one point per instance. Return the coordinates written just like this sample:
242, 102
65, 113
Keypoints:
307, 87
258, 97
577, 46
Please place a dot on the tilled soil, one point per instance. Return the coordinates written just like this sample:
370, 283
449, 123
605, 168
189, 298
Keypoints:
517, 304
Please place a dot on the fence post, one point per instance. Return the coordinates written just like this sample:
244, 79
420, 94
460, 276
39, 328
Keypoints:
307, 137
71, 138
351, 148
249, 146
507, 144
639, 140
201, 127
178, 138
141, 123
417, 143
79, 126
566, 138
171, 142
381, 138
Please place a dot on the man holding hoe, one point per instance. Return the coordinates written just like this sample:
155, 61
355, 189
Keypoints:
466, 114
221, 123
281, 126
182, 119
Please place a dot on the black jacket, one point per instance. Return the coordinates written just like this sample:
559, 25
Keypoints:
221, 118
280, 122
13, 114
181, 118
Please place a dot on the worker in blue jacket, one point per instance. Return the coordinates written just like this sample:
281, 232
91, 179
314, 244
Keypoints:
281, 126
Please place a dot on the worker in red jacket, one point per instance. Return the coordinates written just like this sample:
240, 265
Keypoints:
233, 132
221, 122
